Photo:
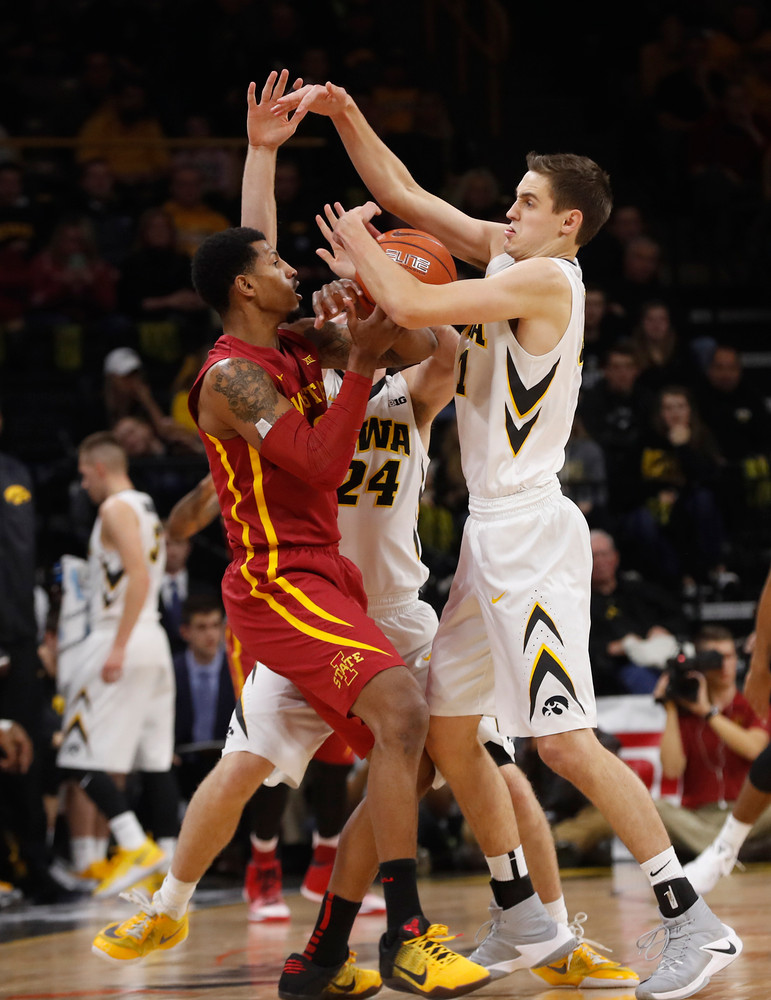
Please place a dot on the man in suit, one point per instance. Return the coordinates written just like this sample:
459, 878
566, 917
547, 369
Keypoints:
205, 698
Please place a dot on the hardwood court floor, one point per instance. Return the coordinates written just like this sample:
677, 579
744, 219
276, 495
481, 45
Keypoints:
225, 958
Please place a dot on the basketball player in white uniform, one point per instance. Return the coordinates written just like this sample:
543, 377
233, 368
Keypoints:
523, 578
119, 680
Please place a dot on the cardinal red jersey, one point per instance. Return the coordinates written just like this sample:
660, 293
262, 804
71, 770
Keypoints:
279, 509
291, 598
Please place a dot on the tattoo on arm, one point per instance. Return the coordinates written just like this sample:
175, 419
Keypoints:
248, 390
334, 344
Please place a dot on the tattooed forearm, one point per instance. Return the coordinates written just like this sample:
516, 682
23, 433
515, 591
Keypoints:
248, 389
334, 344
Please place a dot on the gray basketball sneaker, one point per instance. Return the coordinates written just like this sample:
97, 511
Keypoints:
522, 937
695, 946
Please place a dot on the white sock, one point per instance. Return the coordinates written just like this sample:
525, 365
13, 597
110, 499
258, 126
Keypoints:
264, 846
168, 845
506, 867
325, 841
734, 833
127, 831
663, 867
174, 896
82, 852
558, 911
100, 848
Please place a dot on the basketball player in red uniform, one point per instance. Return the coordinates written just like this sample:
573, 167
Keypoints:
277, 454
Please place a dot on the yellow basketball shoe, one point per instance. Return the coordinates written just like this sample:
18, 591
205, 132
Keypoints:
302, 980
129, 867
418, 962
585, 967
147, 931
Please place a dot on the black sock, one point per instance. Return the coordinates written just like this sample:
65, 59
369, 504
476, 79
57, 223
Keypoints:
509, 892
400, 888
675, 896
328, 944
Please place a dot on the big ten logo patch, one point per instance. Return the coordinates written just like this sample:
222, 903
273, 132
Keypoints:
344, 671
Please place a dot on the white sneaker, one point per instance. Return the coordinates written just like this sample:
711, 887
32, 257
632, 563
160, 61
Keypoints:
522, 937
693, 947
705, 871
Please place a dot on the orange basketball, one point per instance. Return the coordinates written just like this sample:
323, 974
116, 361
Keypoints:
419, 253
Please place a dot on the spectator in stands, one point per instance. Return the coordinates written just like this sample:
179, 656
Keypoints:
601, 330
128, 394
22, 692
72, 300
126, 133
583, 476
738, 419
205, 699
662, 356
635, 625
217, 165
175, 589
615, 413
710, 738
156, 292
96, 199
677, 530
642, 278
194, 219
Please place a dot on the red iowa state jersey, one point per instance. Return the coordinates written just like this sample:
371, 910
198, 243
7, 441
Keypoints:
267, 509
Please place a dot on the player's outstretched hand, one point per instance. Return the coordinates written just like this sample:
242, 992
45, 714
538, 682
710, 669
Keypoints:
331, 300
326, 99
371, 337
266, 126
338, 260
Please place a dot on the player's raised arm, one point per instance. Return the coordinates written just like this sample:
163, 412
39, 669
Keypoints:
389, 181
265, 131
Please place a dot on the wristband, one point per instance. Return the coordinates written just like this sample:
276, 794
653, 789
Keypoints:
714, 710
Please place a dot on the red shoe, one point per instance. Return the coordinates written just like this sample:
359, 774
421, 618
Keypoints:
319, 872
262, 889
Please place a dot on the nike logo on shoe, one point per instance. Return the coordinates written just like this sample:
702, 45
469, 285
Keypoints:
559, 969
730, 950
411, 975
165, 939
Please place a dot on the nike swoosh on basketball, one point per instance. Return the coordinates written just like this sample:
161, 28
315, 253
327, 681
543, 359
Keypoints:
496, 599
411, 975
730, 950
654, 874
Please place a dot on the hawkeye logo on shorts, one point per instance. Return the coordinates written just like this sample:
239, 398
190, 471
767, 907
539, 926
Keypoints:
549, 679
344, 671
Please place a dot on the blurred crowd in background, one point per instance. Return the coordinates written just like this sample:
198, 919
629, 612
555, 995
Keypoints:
121, 147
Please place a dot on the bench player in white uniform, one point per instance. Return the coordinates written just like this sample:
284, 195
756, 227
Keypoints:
523, 578
118, 683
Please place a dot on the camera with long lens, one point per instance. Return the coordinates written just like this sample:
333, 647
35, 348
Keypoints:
680, 684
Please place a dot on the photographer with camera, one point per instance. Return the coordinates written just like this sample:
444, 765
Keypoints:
710, 738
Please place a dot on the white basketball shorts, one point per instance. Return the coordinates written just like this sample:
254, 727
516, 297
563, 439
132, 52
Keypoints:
127, 725
513, 639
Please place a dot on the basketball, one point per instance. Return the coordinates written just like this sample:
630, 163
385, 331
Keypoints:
419, 253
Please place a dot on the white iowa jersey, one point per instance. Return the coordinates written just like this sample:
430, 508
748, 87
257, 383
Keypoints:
515, 411
378, 502
107, 577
